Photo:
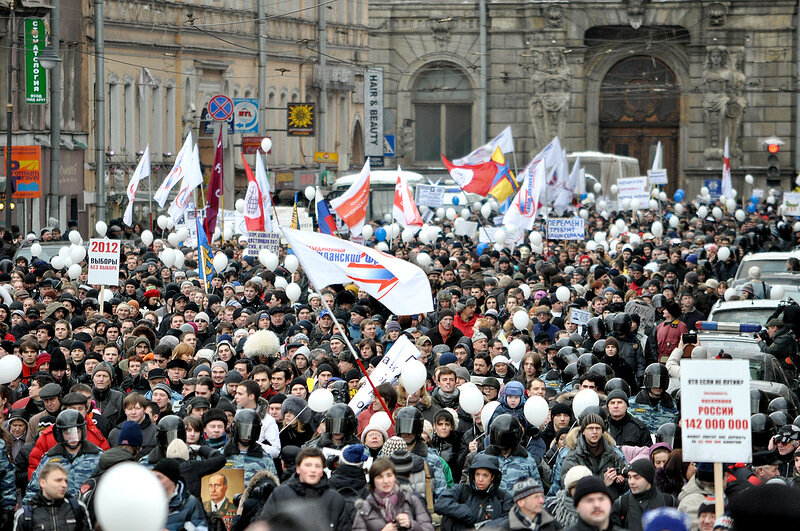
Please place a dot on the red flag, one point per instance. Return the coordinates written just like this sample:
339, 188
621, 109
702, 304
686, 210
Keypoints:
214, 191
473, 178
253, 212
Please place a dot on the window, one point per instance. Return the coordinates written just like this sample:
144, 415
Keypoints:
442, 99
169, 116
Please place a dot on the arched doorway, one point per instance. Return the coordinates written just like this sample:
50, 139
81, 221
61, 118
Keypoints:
639, 107
357, 158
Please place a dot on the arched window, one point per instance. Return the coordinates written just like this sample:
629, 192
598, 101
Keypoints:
442, 99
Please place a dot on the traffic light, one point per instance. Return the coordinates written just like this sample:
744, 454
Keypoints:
773, 145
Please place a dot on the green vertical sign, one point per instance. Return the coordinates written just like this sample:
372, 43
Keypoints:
35, 75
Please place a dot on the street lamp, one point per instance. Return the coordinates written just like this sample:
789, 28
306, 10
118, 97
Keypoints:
50, 60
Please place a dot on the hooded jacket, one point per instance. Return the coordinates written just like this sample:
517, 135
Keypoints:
463, 505
369, 517
581, 455
331, 507
256, 493
183, 508
692, 495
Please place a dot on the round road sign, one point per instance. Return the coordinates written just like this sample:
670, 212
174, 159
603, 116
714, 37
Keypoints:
220, 107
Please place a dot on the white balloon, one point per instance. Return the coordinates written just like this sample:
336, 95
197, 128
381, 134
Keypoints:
470, 398
74, 271
382, 419
634, 238
36, 250
424, 259
293, 291
652, 204
739, 215
216, 235
167, 257
662, 196
179, 258
678, 209
591, 245
141, 504
521, 320
476, 206
170, 223
614, 231
382, 247
281, 283
465, 213
620, 224
77, 253
702, 212
733, 193
526, 290
10, 369
585, 398
271, 261
291, 263
413, 375
450, 213
440, 212
626, 204
584, 213
716, 212
487, 412
724, 253
730, 293
776, 293
367, 232
57, 262
635, 204
599, 236
239, 205
674, 221
162, 221
771, 200
601, 205
589, 198
500, 236
101, 228
730, 204
536, 410
227, 232
535, 238
597, 188
64, 252
704, 191
393, 231
517, 348
182, 233
320, 400
748, 179
147, 237
657, 229
266, 144
486, 210
563, 294
494, 204
407, 234
75, 237
263, 255
614, 189
172, 238
796, 227
310, 192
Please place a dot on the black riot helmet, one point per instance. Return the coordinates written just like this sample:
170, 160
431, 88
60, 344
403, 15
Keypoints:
585, 361
599, 348
505, 432
659, 301
576, 338
168, 429
597, 328
622, 324
340, 419
604, 370
565, 356
70, 428
570, 372
340, 391
780, 418
408, 421
669, 433
246, 427
564, 342
759, 402
781, 404
762, 429
656, 376
608, 321
617, 383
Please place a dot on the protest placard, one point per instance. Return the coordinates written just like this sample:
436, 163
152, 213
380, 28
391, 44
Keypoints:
104, 262
466, 228
429, 195
646, 313
262, 240
579, 317
791, 203
633, 187
387, 371
566, 229
657, 176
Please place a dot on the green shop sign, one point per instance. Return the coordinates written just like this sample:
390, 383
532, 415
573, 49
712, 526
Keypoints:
35, 75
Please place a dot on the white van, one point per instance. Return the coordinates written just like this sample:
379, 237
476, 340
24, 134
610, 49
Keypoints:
604, 168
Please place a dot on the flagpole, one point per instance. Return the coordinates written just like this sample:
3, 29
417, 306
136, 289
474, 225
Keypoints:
200, 254
150, 199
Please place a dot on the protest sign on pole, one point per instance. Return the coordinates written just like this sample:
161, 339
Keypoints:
566, 229
104, 261
387, 371
429, 195
633, 187
791, 203
579, 317
262, 240
657, 176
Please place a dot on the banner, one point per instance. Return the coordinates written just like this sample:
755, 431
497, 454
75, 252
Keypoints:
404, 210
214, 191
35, 74
397, 284
387, 371
566, 229
176, 173
262, 240
429, 195
142, 171
715, 411
351, 206
26, 171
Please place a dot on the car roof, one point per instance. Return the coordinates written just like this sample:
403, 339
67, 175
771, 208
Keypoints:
772, 255
744, 304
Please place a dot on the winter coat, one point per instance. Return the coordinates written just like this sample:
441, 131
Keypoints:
193, 470
562, 508
692, 495
148, 435
631, 351
609, 458
369, 516
514, 521
452, 339
629, 508
111, 404
256, 493
79, 467
47, 440
349, 481
580, 525
184, 508
53, 515
518, 465
463, 505
653, 412
622, 370
669, 335
330, 506
629, 431
449, 449
784, 344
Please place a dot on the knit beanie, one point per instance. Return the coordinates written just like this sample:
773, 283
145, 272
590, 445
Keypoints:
644, 468
560, 408
233, 376
589, 485
214, 414
373, 427
592, 418
706, 506
170, 468
164, 387
177, 449
526, 487
130, 434
392, 445
202, 367
575, 474
354, 454
57, 360
220, 364
103, 367
617, 394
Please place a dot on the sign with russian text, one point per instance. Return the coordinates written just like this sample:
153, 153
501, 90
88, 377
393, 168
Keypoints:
657, 176
579, 317
373, 113
387, 371
566, 229
429, 195
646, 313
791, 203
35, 74
715, 411
26, 171
104, 261
262, 240
633, 187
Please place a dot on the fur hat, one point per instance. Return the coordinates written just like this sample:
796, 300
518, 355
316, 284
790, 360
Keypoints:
264, 344
177, 449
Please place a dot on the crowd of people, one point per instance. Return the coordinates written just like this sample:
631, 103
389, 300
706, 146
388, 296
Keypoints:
191, 379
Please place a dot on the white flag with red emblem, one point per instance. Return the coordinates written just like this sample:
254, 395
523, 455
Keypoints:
405, 209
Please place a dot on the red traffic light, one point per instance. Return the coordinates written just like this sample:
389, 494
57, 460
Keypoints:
773, 148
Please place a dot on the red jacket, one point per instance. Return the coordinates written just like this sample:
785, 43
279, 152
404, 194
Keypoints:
668, 335
47, 440
465, 327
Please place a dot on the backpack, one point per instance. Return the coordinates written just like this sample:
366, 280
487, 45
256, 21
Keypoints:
27, 514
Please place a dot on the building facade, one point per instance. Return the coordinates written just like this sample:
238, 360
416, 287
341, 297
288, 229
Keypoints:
604, 75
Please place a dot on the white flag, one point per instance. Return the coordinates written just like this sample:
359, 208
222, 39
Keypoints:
142, 171
658, 158
505, 141
175, 174
266, 198
192, 178
727, 186
522, 212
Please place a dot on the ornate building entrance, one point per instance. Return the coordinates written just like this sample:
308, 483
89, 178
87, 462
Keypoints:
638, 108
